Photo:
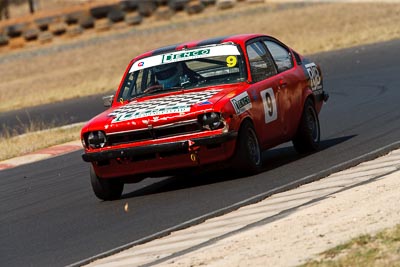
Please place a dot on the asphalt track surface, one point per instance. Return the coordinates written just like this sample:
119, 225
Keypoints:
50, 217
52, 115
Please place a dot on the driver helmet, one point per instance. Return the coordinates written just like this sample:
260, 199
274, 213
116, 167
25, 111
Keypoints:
168, 75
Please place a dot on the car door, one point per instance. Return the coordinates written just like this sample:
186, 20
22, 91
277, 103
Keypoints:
265, 93
290, 92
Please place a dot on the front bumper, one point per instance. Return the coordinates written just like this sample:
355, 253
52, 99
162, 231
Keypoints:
179, 146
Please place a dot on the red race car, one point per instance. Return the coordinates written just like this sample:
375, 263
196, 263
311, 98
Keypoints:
200, 104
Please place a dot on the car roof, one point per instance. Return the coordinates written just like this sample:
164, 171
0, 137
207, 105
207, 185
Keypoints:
237, 39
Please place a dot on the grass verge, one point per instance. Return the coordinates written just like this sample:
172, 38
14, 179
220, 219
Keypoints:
380, 250
12, 146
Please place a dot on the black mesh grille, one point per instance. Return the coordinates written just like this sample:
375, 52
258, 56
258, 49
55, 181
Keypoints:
156, 133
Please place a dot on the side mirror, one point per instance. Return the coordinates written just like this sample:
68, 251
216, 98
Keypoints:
107, 100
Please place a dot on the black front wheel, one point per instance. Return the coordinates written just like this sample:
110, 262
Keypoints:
248, 157
307, 138
106, 189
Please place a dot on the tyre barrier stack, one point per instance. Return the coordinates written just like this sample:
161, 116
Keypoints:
101, 18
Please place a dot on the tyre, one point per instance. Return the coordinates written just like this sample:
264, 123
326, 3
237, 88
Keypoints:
43, 23
100, 12
105, 189
45, 37
177, 5
225, 4
208, 2
129, 5
31, 34
147, 8
164, 13
58, 28
73, 17
247, 159
16, 30
116, 15
3, 39
308, 133
194, 7
86, 21
74, 30
133, 19
103, 25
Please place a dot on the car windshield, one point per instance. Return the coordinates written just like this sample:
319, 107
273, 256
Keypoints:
186, 69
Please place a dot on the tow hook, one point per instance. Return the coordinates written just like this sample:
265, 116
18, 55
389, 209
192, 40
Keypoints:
194, 152
194, 157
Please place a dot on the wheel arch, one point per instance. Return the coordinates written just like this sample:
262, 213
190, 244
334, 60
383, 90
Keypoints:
249, 119
247, 157
306, 95
309, 95
307, 137
240, 126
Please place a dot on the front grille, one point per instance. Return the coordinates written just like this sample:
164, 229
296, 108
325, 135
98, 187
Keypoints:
150, 134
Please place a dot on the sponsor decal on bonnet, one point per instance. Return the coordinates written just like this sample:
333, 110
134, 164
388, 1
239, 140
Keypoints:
241, 103
160, 106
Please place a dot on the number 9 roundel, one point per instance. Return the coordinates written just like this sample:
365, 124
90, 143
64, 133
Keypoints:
269, 103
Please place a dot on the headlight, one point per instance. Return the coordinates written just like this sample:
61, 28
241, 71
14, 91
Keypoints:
212, 121
96, 139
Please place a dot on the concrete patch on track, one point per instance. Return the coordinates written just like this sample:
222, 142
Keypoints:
284, 229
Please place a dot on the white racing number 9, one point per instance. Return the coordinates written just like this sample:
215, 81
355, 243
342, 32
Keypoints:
269, 103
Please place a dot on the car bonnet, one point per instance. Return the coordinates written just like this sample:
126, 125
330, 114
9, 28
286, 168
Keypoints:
156, 111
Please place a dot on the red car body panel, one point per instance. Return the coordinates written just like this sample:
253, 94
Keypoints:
274, 122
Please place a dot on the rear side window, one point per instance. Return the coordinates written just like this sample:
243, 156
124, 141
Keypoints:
281, 55
298, 58
261, 64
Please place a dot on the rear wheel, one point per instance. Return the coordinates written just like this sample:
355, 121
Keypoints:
248, 153
307, 138
106, 189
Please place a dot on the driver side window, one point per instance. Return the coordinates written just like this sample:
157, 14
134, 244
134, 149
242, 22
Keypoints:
261, 64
